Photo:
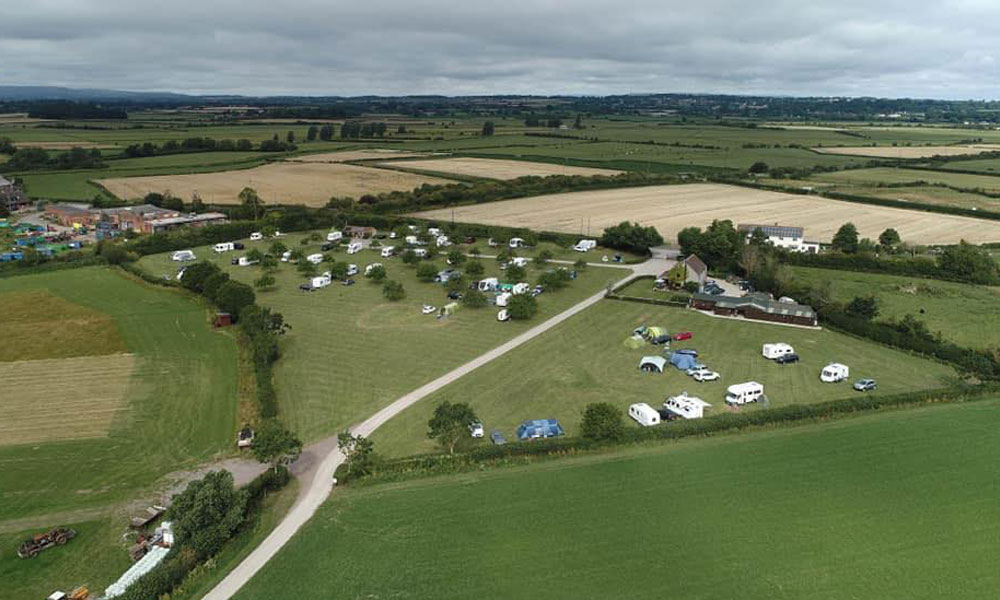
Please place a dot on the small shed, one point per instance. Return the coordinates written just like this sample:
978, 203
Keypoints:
683, 360
652, 364
223, 319
539, 428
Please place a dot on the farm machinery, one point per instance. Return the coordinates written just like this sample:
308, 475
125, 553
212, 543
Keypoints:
58, 536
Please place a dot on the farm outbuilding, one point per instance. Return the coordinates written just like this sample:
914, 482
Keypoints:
758, 306
539, 428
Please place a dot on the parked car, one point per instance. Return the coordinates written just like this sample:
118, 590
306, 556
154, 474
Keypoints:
348, 282
695, 369
705, 375
497, 438
786, 359
538, 289
684, 335
690, 351
476, 429
327, 246
454, 295
307, 287
238, 246
865, 385
428, 309
470, 240
714, 290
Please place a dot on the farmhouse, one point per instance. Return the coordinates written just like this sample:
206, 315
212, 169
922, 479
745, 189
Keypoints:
695, 270
784, 237
757, 306
11, 195
358, 231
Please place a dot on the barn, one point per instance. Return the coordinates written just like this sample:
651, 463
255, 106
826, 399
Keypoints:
758, 306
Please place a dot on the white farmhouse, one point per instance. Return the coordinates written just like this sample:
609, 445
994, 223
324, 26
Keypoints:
781, 236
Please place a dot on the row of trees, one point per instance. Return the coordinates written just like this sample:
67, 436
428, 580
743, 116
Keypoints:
356, 130
30, 159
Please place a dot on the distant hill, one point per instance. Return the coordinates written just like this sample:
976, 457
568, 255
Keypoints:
15, 93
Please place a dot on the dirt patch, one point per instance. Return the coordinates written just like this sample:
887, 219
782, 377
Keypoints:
671, 208
910, 151
62, 399
46, 326
311, 184
498, 169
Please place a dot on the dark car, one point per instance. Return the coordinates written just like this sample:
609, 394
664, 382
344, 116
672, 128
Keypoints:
470, 240
497, 438
348, 282
786, 359
238, 246
690, 351
235, 261
454, 295
306, 287
327, 246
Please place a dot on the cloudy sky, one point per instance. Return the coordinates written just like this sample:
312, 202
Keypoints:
940, 49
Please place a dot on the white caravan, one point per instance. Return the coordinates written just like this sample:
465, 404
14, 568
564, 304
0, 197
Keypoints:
388, 251
504, 298
488, 285
834, 372
519, 261
584, 245
256, 236
315, 258
503, 315
352, 269
322, 281
420, 252
335, 236
246, 262
516, 242
644, 414
521, 288
433, 231
412, 240
182, 255
354, 247
286, 256
442, 241
686, 407
224, 247
773, 351
744, 393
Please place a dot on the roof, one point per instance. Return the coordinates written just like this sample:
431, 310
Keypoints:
774, 230
68, 207
760, 301
696, 264
209, 216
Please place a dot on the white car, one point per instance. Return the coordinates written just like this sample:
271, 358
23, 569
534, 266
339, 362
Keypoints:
428, 309
697, 369
705, 375
476, 429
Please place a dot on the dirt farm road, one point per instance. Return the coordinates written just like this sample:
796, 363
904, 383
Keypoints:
319, 461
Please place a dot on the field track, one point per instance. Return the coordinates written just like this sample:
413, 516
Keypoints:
671, 208
498, 169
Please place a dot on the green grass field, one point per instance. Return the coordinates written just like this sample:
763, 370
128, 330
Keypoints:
181, 399
344, 338
584, 360
963, 313
891, 505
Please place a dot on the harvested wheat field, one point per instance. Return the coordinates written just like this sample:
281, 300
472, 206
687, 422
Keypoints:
670, 208
62, 399
47, 326
498, 169
338, 157
312, 184
909, 151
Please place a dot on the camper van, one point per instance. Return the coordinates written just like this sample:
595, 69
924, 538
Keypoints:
644, 414
256, 236
388, 251
224, 247
834, 372
412, 240
246, 262
744, 393
354, 247
321, 281
488, 285
315, 258
352, 269
685, 407
504, 298
584, 245
182, 255
521, 288
773, 351
516, 242
334, 236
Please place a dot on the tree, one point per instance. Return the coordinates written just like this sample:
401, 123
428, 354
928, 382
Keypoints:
580, 264
326, 132
393, 291
232, 296
488, 128
758, 237
275, 445
338, 270
602, 421
846, 239
377, 274
475, 269
543, 257
197, 274
578, 124
254, 254
863, 307
515, 273
264, 282
251, 201
631, 236
277, 248
719, 245
455, 283
677, 275
312, 133
450, 424
758, 167
474, 299
889, 239
555, 279
455, 257
213, 283
969, 262
522, 307
426, 272
207, 512
305, 267
358, 451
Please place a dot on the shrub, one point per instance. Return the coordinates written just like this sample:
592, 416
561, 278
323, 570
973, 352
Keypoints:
393, 291
522, 307
602, 421
426, 272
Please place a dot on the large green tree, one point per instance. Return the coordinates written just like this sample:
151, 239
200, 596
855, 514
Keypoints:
207, 512
450, 424
969, 262
602, 421
275, 445
846, 239
522, 307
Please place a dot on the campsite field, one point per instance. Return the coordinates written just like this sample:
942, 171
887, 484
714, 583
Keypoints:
312, 184
963, 313
496, 169
671, 208
845, 509
584, 360
166, 405
344, 338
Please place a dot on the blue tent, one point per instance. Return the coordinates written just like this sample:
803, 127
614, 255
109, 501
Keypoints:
683, 361
539, 428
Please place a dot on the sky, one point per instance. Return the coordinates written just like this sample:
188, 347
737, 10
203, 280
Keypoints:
887, 48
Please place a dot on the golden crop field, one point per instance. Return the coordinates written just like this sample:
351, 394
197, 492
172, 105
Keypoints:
346, 155
670, 208
498, 169
63, 398
909, 151
311, 184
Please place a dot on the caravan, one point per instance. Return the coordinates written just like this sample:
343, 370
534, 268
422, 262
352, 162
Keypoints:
488, 285
256, 236
516, 242
521, 288
224, 247
644, 414
334, 236
354, 247
773, 351
182, 255
388, 251
584, 245
834, 372
744, 393
685, 407
315, 258
504, 298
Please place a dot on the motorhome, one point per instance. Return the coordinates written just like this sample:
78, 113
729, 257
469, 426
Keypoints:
354, 247
256, 236
644, 414
686, 407
744, 393
224, 247
335, 236
182, 255
488, 285
584, 245
388, 251
315, 258
834, 372
352, 269
516, 242
773, 351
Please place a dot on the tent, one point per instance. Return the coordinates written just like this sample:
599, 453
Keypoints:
683, 361
449, 309
539, 428
634, 342
652, 364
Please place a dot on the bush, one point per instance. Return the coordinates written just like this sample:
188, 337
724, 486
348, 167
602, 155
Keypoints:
393, 291
632, 237
426, 272
522, 307
376, 274
212, 284
602, 421
474, 299
233, 296
475, 269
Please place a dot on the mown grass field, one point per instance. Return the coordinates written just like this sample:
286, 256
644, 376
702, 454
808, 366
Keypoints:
964, 314
47, 327
584, 360
890, 505
179, 405
351, 352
